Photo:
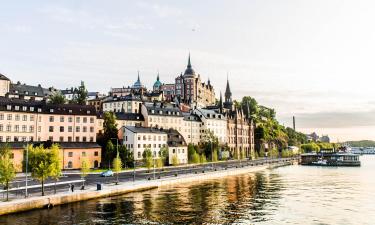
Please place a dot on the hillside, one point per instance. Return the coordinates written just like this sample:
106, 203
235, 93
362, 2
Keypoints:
363, 143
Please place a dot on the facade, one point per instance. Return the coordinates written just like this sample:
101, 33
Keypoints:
24, 121
190, 89
122, 119
97, 103
70, 153
191, 129
214, 121
127, 104
177, 147
137, 139
4, 85
168, 91
162, 115
240, 130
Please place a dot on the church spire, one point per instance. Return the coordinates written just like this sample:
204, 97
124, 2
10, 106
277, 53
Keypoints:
228, 93
189, 63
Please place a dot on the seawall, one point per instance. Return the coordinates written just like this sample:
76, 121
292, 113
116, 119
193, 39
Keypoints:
21, 205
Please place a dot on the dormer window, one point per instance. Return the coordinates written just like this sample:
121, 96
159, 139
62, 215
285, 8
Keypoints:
16, 91
51, 110
88, 111
32, 109
152, 111
9, 107
17, 107
35, 93
70, 111
24, 108
26, 92
160, 112
39, 110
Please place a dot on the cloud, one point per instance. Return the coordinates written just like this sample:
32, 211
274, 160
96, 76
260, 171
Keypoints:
162, 11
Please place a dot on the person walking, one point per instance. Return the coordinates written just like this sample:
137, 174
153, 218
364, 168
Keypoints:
72, 187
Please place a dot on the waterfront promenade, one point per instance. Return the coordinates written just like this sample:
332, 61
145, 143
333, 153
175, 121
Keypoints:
144, 181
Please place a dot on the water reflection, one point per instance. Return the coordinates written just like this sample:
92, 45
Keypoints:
287, 195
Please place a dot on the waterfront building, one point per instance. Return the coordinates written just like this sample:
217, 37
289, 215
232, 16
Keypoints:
138, 139
190, 89
23, 121
168, 91
71, 153
240, 130
177, 147
214, 121
191, 129
4, 85
97, 103
162, 115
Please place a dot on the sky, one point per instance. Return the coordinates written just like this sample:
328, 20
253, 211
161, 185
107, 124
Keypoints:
310, 59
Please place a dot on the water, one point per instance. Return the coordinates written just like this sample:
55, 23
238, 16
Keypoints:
286, 195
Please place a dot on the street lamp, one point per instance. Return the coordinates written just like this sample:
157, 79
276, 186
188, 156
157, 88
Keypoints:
27, 163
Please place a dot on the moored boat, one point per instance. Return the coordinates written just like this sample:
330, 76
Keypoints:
330, 159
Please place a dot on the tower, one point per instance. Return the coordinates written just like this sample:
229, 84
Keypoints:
228, 103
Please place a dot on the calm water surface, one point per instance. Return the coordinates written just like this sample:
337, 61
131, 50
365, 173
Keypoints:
286, 195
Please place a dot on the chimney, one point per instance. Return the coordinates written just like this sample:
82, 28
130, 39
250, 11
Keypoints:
294, 123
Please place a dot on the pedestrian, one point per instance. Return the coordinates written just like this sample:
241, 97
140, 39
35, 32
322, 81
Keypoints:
72, 187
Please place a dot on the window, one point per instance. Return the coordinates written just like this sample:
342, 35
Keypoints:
9, 117
83, 154
1, 138
70, 129
91, 139
50, 138
50, 129
77, 139
78, 129
70, 154
17, 107
91, 129
39, 129
70, 164
91, 120
24, 128
16, 128
61, 128
61, 139
1, 127
61, 119
8, 139
31, 117
17, 117
139, 154
139, 138
84, 129
24, 118
70, 119
78, 119
51, 119
84, 139
84, 119
139, 145
1, 116
69, 139
96, 153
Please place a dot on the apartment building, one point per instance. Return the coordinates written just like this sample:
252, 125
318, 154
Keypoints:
137, 139
127, 104
22, 121
213, 121
122, 119
162, 115
71, 153
191, 129
177, 147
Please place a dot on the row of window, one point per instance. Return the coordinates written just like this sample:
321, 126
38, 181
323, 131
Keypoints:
31, 138
16, 128
17, 117
70, 129
70, 119
70, 139
70, 154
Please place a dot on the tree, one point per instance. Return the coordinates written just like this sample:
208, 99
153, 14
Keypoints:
40, 163
57, 98
195, 158
80, 94
147, 159
109, 152
215, 156
175, 160
7, 169
56, 163
85, 169
164, 154
310, 147
202, 158
191, 151
117, 166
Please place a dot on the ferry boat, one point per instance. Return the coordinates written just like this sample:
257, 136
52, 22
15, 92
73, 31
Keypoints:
330, 159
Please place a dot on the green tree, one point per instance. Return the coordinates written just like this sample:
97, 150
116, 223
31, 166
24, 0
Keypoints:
7, 169
215, 156
56, 163
175, 160
310, 147
164, 155
191, 151
109, 152
85, 169
202, 158
80, 94
41, 164
147, 159
57, 98
195, 158
117, 166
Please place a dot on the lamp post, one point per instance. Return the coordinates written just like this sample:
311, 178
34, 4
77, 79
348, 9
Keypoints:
27, 163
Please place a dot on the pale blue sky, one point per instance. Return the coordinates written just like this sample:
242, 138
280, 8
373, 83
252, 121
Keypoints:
312, 59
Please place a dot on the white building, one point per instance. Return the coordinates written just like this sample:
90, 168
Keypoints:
214, 122
191, 129
137, 139
127, 104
